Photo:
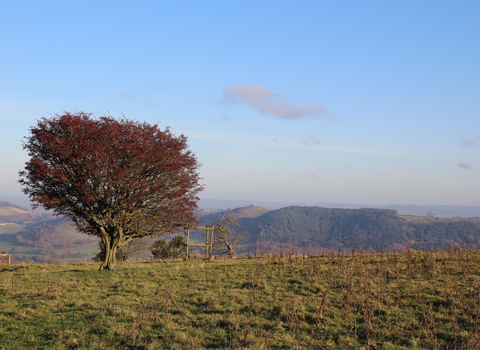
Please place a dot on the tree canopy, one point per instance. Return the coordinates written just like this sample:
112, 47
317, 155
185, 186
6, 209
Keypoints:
117, 179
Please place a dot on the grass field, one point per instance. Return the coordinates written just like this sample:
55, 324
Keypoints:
412, 300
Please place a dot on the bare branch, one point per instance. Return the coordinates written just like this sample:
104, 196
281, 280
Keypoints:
227, 236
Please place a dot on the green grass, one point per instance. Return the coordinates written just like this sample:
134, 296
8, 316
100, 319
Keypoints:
412, 300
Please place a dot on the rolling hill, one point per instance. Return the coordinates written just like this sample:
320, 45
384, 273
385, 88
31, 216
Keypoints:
37, 237
249, 211
57, 233
294, 227
330, 228
441, 211
11, 213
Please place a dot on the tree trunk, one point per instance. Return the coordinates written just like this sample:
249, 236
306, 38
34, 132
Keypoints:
229, 250
110, 258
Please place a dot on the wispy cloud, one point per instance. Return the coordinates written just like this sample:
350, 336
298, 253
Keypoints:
464, 165
253, 140
467, 143
309, 140
344, 149
418, 180
267, 102
126, 96
347, 167
123, 95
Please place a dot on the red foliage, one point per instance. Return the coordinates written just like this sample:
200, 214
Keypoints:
113, 178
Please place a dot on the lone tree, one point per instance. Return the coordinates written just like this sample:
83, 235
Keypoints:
227, 238
117, 179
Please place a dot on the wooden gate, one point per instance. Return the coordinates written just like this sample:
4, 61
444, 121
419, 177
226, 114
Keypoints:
5, 258
209, 230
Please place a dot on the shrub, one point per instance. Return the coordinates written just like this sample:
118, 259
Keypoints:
172, 249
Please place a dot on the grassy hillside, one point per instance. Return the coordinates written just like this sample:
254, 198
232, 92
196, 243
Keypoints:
6, 211
11, 213
249, 211
412, 300
8, 204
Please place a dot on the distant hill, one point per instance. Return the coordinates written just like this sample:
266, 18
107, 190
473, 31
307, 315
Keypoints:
249, 211
367, 228
303, 227
443, 211
12, 213
40, 238
57, 233
9, 205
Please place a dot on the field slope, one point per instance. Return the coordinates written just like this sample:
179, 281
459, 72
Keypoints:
413, 300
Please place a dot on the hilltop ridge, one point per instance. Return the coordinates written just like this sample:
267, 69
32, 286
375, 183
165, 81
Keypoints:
441, 211
249, 211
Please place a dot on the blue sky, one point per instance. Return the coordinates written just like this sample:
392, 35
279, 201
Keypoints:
301, 101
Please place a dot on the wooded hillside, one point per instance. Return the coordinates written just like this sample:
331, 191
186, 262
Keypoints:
378, 229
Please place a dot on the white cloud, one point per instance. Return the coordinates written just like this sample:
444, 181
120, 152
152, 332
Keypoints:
267, 102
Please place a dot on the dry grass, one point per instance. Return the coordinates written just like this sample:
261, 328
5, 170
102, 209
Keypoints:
413, 300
